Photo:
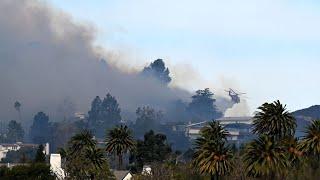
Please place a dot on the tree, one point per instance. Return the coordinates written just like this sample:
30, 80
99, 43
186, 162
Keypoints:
265, 157
40, 157
27, 172
40, 129
154, 148
273, 119
104, 114
61, 133
95, 112
119, 141
84, 160
212, 156
310, 143
17, 107
158, 70
202, 106
147, 119
15, 132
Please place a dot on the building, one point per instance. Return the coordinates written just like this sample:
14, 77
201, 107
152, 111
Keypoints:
193, 129
235, 120
55, 166
239, 128
122, 175
5, 148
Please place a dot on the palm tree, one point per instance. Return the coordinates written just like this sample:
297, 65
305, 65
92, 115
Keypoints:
310, 143
84, 160
119, 141
17, 107
274, 120
292, 147
265, 157
81, 141
211, 155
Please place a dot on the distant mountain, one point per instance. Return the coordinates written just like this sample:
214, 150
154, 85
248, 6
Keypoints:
311, 112
305, 116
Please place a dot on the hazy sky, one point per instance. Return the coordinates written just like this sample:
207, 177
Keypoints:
268, 48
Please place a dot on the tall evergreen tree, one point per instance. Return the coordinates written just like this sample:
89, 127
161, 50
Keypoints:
40, 157
154, 148
147, 119
158, 70
95, 111
40, 129
104, 114
202, 106
15, 132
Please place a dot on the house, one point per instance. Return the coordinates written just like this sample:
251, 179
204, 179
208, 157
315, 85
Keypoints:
122, 175
239, 128
5, 148
235, 120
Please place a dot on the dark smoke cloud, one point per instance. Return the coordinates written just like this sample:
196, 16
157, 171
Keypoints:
47, 59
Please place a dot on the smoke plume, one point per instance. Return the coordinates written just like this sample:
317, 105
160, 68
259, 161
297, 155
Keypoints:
50, 63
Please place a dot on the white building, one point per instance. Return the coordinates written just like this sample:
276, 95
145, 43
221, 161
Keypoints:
235, 120
5, 148
239, 128
55, 166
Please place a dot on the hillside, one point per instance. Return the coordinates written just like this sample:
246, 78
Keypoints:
312, 112
305, 116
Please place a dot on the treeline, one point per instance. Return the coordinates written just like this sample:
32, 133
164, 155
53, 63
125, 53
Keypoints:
274, 154
105, 113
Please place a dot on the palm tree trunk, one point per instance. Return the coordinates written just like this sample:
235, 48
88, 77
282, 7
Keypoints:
119, 161
215, 177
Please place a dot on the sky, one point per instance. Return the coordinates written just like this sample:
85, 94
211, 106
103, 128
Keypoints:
269, 49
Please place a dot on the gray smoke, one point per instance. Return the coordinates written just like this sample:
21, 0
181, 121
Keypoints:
49, 63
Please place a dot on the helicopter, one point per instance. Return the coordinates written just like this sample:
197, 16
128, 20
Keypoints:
234, 96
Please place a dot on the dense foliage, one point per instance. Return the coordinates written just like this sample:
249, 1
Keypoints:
153, 148
27, 172
15, 132
104, 114
158, 71
147, 119
202, 107
84, 160
40, 128
40, 156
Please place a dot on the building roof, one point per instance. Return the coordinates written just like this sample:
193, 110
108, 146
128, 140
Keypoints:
18, 144
120, 175
242, 118
231, 120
